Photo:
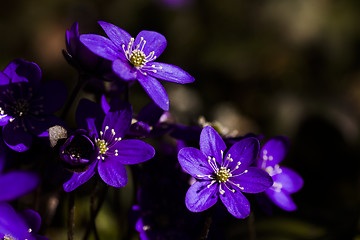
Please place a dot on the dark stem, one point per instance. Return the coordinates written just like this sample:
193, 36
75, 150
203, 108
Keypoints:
94, 210
208, 220
71, 216
79, 85
251, 226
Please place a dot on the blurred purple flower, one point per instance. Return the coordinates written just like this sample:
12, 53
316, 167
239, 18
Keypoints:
221, 173
113, 151
19, 225
26, 105
133, 59
286, 181
15, 183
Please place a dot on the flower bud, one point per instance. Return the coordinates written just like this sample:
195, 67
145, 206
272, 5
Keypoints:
78, 151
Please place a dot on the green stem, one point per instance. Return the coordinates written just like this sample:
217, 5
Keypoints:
71, 216
79, 85
94, 211
208, 220
251, 226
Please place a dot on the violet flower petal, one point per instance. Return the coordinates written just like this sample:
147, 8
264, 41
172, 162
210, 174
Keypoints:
282, 199
194, 162
154, 42
112, 172
32, 219
244, 151
236, 203
170, 73
118, 118
89, 110
104, 104
11, 223
133, 151
20, 70
15, 137
78, 179
4, 119
72, 38
200, 197
275, 150
124, 70
255, 180
155, 91
101, 46
117, 35
4, 79
289, 179
16, 184
211, 144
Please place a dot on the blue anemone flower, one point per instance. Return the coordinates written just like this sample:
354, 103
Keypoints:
133, 59
26, 105
286, 180
222, 173
19, 225
113, 152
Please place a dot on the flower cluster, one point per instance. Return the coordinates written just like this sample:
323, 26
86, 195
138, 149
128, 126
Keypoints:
106, 140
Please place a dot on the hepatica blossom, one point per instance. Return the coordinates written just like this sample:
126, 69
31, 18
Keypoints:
222, 173
133, 59
15, 183
286, 181
26, 105
19, 225
113, 152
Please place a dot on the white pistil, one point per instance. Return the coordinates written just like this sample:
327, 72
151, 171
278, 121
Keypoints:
277, 187
273, 170
136, 56
106, 142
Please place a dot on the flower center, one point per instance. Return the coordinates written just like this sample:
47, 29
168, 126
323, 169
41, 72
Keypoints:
9, 237
21, 107
102, 146
137, 58
107, 143
222, 174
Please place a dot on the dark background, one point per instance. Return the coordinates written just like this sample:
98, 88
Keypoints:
275, 67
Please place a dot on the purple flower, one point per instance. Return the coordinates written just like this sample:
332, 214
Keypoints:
78, 151
19, 225
286, 181
221, 173
15, 183
26, 105
113, 151
133, 59
81, 57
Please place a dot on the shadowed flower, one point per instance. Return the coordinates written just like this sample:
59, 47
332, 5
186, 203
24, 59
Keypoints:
286, 181
19, 225
221, 173
81, 57
133, 59
15, 183
26, 105
113, 152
